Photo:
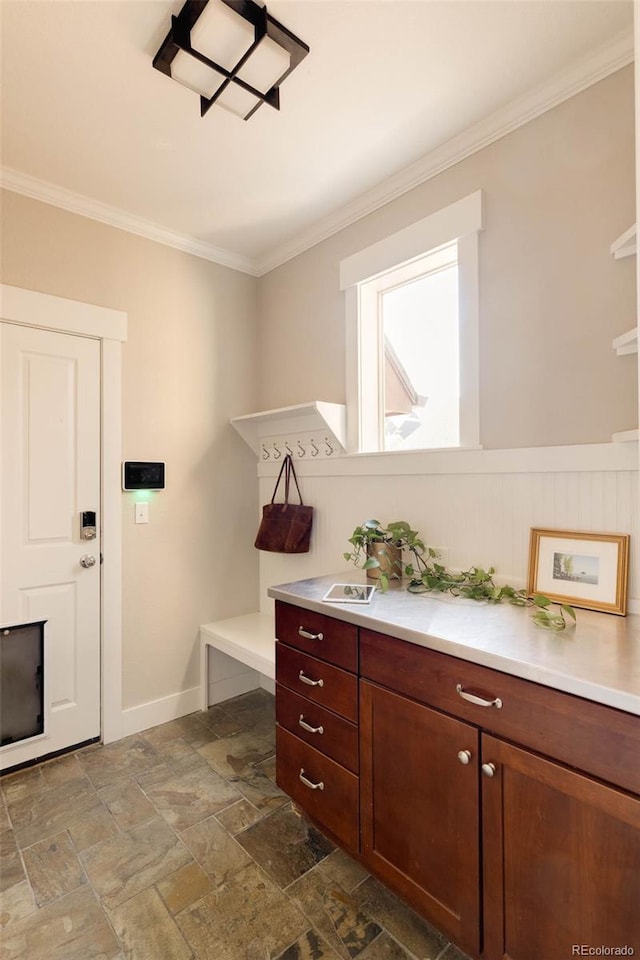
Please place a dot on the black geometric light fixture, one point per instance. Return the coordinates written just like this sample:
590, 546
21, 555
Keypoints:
231, 52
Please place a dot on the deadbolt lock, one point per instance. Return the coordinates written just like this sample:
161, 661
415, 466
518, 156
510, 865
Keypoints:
88, 525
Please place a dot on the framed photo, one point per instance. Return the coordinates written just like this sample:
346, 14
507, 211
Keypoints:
587, 570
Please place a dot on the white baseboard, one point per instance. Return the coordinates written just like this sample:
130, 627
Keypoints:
268, 684
155, 712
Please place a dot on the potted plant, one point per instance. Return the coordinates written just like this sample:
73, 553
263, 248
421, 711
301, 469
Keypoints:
378, 550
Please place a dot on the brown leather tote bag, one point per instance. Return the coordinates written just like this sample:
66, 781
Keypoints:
285, 527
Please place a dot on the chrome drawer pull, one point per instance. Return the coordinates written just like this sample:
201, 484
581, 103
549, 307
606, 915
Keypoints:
312, 683
308, 727
309, 783
309, 636
479, 701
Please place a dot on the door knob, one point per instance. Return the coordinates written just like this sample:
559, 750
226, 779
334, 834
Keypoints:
87, 560
464, 756
488, 769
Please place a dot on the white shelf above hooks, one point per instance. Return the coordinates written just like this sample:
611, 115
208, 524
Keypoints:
626, 342
626, 436
625, 245
317, 428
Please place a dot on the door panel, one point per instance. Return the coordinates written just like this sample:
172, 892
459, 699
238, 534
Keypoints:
561, 846
49, 388
50, 457
419, 808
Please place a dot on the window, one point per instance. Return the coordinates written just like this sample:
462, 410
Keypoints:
412, 347
413, 313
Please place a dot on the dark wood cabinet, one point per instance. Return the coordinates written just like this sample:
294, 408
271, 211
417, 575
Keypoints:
320, 728
317, 748
317, 681
326, 791
419, 808
505, 812
561, 856
318, 635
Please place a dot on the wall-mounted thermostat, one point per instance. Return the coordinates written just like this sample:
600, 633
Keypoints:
143, 475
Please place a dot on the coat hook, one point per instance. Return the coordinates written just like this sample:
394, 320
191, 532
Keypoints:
278, 453
301, 449
288, 449
265, 452
315, 451
329, 447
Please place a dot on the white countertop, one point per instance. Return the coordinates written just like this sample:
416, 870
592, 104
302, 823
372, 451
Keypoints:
598, 659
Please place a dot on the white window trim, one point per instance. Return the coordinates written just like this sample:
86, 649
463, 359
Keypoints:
459, 221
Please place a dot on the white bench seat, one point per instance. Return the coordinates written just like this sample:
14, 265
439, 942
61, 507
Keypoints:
248, 639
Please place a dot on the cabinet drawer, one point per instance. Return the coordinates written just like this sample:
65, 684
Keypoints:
334, 736
317, 681
334, 805
600, 740
328, 639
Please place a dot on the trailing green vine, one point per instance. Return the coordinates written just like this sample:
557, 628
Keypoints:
425, 574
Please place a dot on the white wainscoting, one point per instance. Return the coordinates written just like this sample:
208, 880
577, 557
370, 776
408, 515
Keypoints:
478, 507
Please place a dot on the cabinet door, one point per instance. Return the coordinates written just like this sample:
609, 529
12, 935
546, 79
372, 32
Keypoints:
419, 808
561, 860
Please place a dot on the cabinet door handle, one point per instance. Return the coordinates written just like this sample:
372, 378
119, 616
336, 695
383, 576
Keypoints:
309, 636
309, 681
479, 701
488, 769
309, 783
307, 726
464, 756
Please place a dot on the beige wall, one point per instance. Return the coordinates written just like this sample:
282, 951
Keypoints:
557, 192
189, 364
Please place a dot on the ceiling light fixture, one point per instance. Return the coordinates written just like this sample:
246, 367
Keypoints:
231, 52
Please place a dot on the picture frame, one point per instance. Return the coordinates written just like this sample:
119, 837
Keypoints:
587, 570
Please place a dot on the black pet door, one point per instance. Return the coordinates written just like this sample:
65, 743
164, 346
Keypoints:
21, 682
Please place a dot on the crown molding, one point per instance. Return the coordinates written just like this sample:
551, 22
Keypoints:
58, 196
608, 59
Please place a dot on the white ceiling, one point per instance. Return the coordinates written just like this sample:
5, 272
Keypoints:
386, 83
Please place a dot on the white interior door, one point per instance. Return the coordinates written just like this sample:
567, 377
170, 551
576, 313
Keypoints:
50, 469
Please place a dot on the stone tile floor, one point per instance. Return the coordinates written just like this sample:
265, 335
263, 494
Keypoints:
176, 844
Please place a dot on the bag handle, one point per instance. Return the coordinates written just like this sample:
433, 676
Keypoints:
275, 489
289, 470
292, 473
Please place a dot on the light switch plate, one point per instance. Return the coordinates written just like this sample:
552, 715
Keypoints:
142, 513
